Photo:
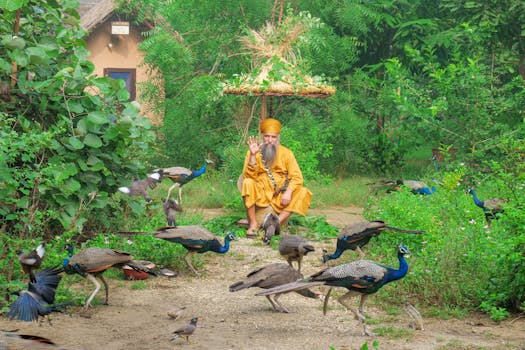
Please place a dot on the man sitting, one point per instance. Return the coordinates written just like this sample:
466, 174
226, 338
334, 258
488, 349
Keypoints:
272, 177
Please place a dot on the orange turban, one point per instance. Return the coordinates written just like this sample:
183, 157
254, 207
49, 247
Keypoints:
270, 126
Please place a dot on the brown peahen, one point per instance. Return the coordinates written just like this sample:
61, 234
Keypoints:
357, 235
491, 207
171, 206
31, 260
39, 297
186, 331
293, 248
361, 277
181, 176
92, 262
196, 239
140, 187
270, 276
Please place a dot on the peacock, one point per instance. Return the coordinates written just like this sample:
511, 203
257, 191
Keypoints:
294, 248
360, 277
181, 176
416, 187
31, 260
196, 239
270, 276
39, 297
357, 235
140, 187
92, 262
491, 207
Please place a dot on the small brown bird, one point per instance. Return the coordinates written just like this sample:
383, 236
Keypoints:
170, 206
31, 260
293, 248
186, 331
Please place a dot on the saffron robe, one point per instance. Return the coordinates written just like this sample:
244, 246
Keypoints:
258, 189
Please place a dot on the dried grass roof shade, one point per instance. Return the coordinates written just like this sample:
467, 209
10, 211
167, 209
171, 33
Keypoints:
290, 82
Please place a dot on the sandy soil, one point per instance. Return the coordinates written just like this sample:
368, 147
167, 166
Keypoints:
136, 319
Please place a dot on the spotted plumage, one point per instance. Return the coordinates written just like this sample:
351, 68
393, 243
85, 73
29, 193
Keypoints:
361, 277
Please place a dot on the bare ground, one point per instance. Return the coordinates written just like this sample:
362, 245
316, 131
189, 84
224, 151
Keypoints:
136, 319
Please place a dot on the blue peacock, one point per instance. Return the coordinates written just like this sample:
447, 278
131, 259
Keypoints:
181, 176
360, 277
196, 239
39, 297
491, 207
355, 236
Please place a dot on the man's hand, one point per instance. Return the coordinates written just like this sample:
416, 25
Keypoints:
254, 145
286, 198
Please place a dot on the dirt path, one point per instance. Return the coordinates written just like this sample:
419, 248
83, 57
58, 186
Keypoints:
136, 319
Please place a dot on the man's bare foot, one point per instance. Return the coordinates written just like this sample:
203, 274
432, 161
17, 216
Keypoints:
251, 232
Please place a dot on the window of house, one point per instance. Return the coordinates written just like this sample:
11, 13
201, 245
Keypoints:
126, 74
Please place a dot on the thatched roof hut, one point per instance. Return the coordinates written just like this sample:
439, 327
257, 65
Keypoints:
94, 12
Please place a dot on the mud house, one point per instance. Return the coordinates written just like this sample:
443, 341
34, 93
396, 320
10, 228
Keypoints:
113, 41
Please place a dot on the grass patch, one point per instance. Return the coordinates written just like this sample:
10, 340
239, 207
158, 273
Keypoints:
393, 332
138, 285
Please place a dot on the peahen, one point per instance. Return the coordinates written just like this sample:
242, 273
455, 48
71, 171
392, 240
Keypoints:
271, 227
491, 207
270, 276
186, 331
171, 206
39, 297
357, 235
360, 277
293, 248
196, 239
181, 176
31, 260
140, 187
92, 262
416, 187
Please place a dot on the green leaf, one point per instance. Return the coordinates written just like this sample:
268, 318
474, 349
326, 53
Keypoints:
12, 5
97, 117
5, 66
76, 143
14, 42
37, 55
123, 95
20, 57
93, 141
71, 186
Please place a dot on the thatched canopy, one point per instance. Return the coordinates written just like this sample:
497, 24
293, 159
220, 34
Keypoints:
290, 83
276, 72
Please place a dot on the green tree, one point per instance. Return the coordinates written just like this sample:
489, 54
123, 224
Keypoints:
68, 139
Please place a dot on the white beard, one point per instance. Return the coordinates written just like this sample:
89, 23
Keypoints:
269, 153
